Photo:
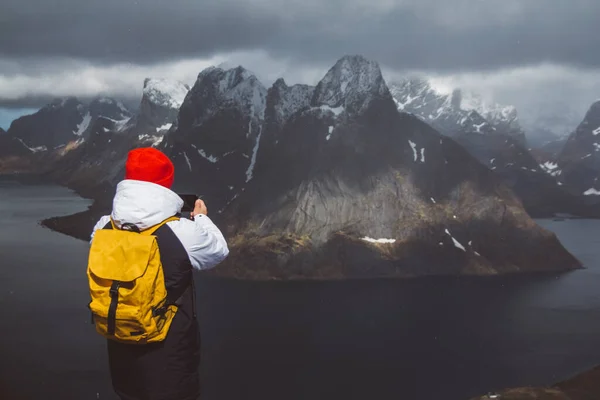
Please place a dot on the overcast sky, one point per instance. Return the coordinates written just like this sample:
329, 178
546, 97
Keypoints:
529, 53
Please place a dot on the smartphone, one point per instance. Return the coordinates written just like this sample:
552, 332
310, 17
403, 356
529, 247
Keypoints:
189, 201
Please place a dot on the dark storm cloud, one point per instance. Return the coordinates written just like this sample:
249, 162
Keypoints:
439, 35
134, 31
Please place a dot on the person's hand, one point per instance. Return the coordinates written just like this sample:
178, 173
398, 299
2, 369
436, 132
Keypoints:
199, 208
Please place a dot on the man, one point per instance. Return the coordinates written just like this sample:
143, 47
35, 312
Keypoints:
166, 370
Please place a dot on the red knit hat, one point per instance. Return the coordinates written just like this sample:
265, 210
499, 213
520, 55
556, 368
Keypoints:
150, 165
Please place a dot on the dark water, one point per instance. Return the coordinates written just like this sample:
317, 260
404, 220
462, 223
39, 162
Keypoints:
410, 340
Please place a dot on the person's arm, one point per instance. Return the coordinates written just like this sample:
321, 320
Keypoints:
105, 219
205, 244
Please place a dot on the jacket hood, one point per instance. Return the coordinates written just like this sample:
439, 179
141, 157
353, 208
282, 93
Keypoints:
143, 204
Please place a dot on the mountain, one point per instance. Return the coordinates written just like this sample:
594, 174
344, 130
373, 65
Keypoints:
93, 165
161, 100
215, 142
317, 182
455, 113
535, 183
63, 121
53, 125
353, 188
501, 117
492, 134
579, 161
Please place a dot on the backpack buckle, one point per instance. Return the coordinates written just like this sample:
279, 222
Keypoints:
114, 289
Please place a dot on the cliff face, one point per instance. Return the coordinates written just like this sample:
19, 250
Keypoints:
579, 160
353, 188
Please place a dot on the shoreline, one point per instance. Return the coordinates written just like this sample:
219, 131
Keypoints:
79, 225
584, 385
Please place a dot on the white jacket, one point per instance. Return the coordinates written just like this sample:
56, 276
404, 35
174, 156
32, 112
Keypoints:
146, 204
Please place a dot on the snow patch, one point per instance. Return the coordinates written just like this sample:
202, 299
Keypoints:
153, 139
596, 131
433, 200
203, 154
409, 99
382, 240
33, 149
165, 127
336, 111
592, 192
119, 124
250, 169
413, 145
478, 127
83, 125
187, 160
330, 131
229, 202
423, 154
456, 242
551, 168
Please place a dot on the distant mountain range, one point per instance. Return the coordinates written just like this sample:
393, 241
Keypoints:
331, 181
492, 133
456, 113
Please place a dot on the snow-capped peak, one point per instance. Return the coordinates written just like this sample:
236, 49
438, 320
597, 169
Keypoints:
165, 92
216, 89
452, 110
502, 117
353, 82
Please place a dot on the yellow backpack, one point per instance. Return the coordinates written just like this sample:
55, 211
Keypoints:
127, 286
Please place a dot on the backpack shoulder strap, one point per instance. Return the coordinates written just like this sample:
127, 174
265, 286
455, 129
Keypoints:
148, 231
154, 228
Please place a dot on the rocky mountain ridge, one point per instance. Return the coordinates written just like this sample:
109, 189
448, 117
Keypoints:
457, 112
327, 182
352, 188
63, 121
496, 140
